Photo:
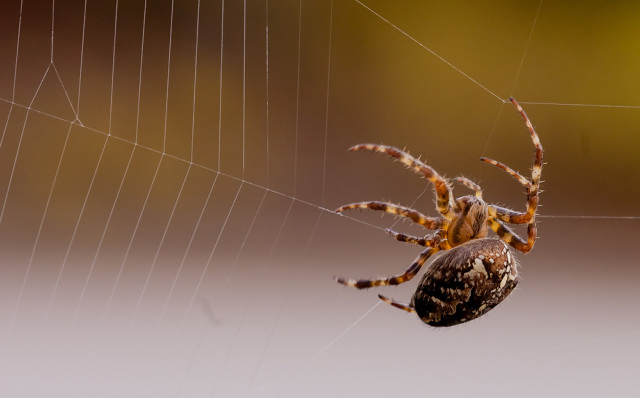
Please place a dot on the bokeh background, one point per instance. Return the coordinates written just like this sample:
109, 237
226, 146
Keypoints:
168, 170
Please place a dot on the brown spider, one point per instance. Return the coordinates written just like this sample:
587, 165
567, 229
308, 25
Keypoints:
477, 272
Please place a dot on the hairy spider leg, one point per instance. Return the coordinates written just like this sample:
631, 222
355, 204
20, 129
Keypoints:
508, 215
413, 215
402, 306
443, 192
536, 171
470, 184
503, 213
532, 186
519, 177
394, 280
509, 236
495, 210
506, 233
430, 240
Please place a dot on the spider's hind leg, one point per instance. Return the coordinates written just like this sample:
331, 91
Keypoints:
404, 307
394, 280
428, 241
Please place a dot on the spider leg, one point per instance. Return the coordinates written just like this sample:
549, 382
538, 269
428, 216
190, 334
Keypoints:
405, 307
536, 171
532, 185
509, 235
470, 184
428, 241
414, 215
443, 192
394, 280
507, 215
502, 213
521, 179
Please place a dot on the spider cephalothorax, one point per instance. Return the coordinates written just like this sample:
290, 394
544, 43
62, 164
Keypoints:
477, 272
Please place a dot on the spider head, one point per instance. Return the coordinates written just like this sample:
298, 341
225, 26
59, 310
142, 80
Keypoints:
470, 221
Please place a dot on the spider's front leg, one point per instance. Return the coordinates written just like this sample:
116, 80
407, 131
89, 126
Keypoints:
500, 215
509, 235
531, 185
444, 201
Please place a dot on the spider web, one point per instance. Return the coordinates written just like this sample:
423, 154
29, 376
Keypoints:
168, 170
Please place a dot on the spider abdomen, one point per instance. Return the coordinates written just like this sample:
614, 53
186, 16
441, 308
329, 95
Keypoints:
466, 282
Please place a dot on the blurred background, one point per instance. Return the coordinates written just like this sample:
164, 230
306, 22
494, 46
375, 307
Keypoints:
168, 171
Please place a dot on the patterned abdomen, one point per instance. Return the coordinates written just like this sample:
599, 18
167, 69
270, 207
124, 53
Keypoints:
466, 282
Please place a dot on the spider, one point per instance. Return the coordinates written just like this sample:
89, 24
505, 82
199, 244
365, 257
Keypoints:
476, 272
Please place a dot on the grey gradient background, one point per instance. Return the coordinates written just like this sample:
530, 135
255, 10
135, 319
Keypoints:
156, 241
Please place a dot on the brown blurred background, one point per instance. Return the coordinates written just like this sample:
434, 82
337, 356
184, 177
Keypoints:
164, 227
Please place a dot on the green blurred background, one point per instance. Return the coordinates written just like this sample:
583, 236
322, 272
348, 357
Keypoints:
165, 225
